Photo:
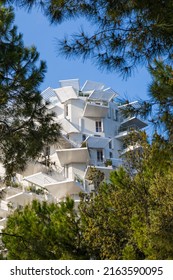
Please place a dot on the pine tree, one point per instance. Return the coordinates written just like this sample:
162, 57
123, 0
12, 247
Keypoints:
25, 124
126, 33
43, 231
131, 216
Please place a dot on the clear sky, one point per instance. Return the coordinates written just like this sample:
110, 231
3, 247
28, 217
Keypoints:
37, 31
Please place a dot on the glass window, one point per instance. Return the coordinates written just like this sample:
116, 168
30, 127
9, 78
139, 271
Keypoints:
98, 126
66, 110
109, 113
100, 155
116, 115
110, 155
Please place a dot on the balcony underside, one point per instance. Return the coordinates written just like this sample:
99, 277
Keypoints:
131, 148
75, 155
68, 127
104, 169
64, 188
122, 135
95, 110
97, 142
133, 121
24, 198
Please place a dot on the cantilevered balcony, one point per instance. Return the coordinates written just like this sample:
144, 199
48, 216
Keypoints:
65, 188
96, 109
68, 127
94, 142
74, 155
133, 121
41, 179
124, 131
104, 169
130, 148
56, 187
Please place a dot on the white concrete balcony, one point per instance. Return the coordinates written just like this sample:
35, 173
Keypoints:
102, 165
130, 148
41, 179
65, 188
67, 126
95, 142
96, 163
96, 109
74, 155
124, 131
55, 188
133, 121
105, 169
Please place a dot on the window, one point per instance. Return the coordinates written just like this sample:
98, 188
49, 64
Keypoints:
100, 155
110, 155
109, 113
116, 115
110, 144
66, 110
98, 126
83, 137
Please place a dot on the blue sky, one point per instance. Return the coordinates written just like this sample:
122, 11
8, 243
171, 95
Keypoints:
37, 31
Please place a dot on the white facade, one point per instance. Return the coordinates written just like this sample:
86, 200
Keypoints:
92, 132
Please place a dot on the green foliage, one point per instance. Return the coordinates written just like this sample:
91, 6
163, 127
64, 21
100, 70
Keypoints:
108, 162
106, 220
44, 231
125, 33
95, 176
128, 218
131, 217
25, 124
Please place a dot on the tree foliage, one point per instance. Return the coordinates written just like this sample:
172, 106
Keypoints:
95, 176
44, 231
127, 33
131, 216
25, 124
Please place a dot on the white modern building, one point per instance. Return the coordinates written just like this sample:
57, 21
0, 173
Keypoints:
93, 131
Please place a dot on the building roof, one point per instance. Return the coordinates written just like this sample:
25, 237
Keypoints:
71, 82
65, 93
104, 95
90, 85
49, 95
